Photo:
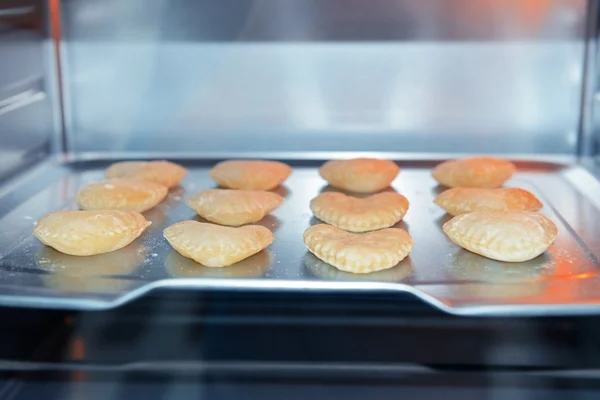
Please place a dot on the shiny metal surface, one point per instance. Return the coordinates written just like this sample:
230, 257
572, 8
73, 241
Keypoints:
26, 110
587, 132
590, 140
296, 75
564, 281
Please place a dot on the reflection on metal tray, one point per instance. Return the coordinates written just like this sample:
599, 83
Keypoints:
563, 281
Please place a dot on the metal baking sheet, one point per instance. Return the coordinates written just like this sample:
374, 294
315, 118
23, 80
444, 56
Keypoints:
564, 281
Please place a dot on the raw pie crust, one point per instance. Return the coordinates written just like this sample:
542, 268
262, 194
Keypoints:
352, 214
121, 194
360, 175
465, 200
164, 173
480, 172
511, 236
359, 253
86, 233
214, 245
252, 267
250, 175
234, 207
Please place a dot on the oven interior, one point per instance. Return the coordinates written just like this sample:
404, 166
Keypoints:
207, 79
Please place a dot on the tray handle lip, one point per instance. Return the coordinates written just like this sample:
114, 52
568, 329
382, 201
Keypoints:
490, 309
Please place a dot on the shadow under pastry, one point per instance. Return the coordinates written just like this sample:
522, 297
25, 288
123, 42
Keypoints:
400, 225
91, 274
468, 266
157, 216
254, 266
270, 222
316, 221
281, 190
321, 269
439, 189
116, 263
443, 219
329, 188
174, 194
486, 278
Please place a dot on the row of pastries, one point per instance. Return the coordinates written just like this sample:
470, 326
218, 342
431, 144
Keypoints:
358, 233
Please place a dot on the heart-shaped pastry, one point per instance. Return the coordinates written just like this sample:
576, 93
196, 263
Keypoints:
250, 174
234, 207
214, 245
476, 172
511, 236
164, 173
378, 211
360, 175
465, 200
86, 233
359, 253
121, 194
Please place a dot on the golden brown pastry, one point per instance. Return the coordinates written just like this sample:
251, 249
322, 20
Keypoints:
250, 174
164, 173
217, 246
359, 253
378, 211
465, 200
361, 175
86, 233
512, 236
121, 194
477, 172
234, 207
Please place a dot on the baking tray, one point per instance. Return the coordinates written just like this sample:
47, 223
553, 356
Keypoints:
564, 281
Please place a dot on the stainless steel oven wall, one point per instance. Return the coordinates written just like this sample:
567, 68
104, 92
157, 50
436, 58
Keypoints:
321, 75
591, 143
27, 124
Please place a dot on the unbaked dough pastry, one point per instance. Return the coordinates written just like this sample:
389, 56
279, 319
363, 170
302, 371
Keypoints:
214, 245
86, 233
511, 236
478, 172
162, 172
360, 175
250, 174
234, 207
359, 253
121, 194
458, 201
378, 211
